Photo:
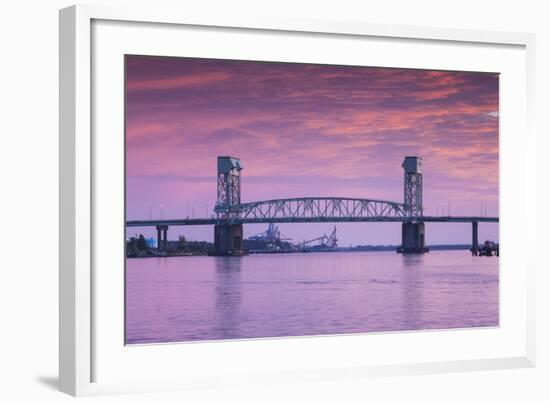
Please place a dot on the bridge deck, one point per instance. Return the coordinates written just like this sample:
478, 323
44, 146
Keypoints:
212, 221
312, 210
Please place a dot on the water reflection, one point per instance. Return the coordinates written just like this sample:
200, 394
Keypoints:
412, 259
412, 291
211, 298
228, 295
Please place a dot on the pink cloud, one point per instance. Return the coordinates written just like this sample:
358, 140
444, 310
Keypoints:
308, 130
177, 82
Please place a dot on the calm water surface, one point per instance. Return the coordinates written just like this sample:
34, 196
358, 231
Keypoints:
211, 298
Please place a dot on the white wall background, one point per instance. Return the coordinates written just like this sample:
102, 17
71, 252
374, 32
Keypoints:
28, 197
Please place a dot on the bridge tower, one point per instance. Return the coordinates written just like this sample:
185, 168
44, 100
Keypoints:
228, 236
412, 230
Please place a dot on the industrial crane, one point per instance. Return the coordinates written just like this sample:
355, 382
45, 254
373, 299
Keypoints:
325, 241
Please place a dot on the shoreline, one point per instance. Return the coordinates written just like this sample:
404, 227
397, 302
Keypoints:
366, 248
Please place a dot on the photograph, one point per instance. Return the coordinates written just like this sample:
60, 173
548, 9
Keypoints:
268, 199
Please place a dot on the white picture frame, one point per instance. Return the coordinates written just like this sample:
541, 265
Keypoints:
79, 161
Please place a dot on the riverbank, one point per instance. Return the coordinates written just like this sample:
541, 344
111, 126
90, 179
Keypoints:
152, 253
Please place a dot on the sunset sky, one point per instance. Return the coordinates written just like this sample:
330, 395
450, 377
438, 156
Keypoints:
309, 130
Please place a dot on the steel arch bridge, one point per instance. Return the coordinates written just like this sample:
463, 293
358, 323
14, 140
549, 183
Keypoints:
316, 210
231, 214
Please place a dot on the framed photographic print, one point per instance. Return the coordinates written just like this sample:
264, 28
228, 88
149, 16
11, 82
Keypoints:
270, 200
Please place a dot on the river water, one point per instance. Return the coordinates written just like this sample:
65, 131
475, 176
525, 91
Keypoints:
212, 298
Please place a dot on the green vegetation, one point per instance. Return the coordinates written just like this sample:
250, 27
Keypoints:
136, 247
189, 247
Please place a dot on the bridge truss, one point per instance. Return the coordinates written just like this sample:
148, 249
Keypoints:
320, 209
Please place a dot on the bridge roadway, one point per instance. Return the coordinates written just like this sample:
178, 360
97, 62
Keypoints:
333, 219
312, 210
228, 229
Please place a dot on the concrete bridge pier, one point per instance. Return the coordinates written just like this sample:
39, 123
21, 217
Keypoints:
162, 237
228, 240
475, 244
412, 238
